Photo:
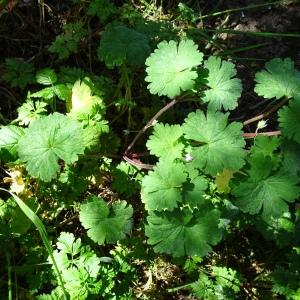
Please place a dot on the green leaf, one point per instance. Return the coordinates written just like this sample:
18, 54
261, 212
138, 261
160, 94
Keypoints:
204, 288
18, 73
70, 252
224, 89
265, 145
48, 140
218, 146
278, 80
19, 222
266, 195
67, 43
194, 191
289, 121
47, 93
165, 141
126, 179
9, 138
80, 266
291, 159
83, 100
103, 9
170, 68
263, 157
46, 76
122, 45
104, 224
62, 91
182, 232
161, 188
30, 111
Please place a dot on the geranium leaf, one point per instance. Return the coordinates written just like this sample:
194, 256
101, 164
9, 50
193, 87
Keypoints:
289, 120
105, 224
122, 45
220, 144
224, 90
165, 141
46, 141
194, 191
182, 232
278, 80
161, 188
266, 194
9, 138
170, 67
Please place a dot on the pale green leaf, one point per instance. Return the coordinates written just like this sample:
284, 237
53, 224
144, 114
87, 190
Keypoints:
30, 111
46, 76
48, 140
165, 141
224, 89
161, 188
83, 100
217, 144
278, 80
170, 67
9, 138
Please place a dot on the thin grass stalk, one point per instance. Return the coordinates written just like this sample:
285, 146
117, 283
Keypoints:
43, 233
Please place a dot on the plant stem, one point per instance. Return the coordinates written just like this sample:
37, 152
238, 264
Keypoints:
250, 135
9, 285
255, 33
243, 8
266, 114
138, 164
150, 123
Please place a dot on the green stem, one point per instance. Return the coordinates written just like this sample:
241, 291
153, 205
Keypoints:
43, 233
253, 6
9, 284
255, 33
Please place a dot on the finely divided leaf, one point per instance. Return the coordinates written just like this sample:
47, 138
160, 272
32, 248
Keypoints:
105, 225
48, 140
103, 9
30, 111
224, 89
289, 121
279, 79
122, 45
182, 232
266, 195
170, 67
218, 146
161, 188
165, 141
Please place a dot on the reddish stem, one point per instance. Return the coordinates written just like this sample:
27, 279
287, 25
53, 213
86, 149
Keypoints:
251, 135
266, 114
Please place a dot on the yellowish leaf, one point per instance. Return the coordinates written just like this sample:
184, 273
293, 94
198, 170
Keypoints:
222, 180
